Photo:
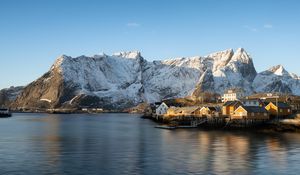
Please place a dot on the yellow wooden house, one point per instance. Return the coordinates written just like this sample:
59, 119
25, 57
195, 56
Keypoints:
230, 106
250, 112
279, 108
210, 111
184, 111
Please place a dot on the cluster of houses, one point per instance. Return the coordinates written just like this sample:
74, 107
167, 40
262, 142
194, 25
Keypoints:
235, 106
262, 107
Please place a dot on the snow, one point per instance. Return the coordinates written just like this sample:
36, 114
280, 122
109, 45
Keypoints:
103, 75
130, 54
45, 99
278, 70
126, 76
266, 80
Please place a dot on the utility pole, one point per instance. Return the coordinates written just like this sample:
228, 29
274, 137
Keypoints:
277, 108
277, 111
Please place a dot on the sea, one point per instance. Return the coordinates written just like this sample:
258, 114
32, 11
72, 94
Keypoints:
118, 143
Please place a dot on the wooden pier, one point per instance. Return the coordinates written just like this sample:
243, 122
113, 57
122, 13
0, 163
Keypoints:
221, 122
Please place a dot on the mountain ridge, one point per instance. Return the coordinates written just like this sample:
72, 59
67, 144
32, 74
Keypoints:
126, 79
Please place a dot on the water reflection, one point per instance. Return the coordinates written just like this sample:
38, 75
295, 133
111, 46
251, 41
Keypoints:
125, 144
220, 152
51, 141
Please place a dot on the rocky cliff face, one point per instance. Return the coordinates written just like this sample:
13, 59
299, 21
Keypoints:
46, 92
9, 95
126, 79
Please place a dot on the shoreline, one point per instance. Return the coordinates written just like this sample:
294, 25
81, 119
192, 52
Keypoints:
292, 125
70, 112
273, 126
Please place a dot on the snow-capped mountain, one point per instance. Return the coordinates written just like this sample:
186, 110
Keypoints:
126, 79
277, 79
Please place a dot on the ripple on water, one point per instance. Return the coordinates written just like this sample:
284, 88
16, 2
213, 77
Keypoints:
126, 144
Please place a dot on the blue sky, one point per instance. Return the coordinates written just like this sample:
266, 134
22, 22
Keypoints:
34, 33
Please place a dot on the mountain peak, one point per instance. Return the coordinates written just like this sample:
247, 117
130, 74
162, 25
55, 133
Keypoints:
221, 54
101, 55
59, 60
278, 70
129, 54
240, 49
241, 55
109, 81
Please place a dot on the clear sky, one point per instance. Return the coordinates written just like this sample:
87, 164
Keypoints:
34, 33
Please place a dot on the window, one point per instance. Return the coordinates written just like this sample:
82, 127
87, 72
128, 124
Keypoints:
280, 110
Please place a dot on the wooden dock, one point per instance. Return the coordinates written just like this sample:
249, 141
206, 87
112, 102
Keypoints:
220, 122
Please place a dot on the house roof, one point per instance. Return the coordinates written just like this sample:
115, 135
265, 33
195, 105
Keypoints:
281, 105
255, 109
265, 103
212, 108
160, 103
184, 109
231, 103
257, 100
152, 106
190, 109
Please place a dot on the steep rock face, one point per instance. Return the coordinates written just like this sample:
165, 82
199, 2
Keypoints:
126, 79
216, 72
230, 69
8, 95
205, 83
49, 91
277, 79
171, 78
106, 81
113, 78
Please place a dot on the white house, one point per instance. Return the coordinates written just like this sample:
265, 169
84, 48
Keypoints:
161, 109
233, 95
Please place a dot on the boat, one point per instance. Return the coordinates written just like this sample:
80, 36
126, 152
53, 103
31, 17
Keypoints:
171, 126
165, 127
175, 127
4, 112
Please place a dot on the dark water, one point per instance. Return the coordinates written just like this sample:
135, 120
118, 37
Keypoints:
126, 144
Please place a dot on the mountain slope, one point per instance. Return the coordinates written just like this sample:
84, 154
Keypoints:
126, 79
8, 95
277, 79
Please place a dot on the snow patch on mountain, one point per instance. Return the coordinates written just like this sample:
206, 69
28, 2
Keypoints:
126, 75
104, 76
126, 79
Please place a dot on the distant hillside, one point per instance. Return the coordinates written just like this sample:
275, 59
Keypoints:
9, 95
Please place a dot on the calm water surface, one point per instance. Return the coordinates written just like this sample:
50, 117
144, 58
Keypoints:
126, 144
